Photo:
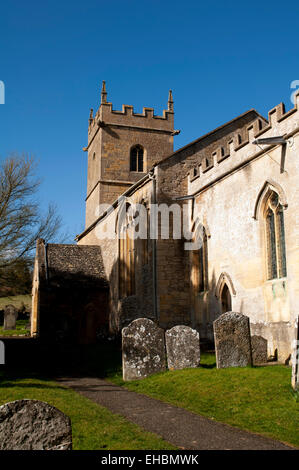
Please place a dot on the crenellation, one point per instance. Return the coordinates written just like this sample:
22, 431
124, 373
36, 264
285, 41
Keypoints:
112, 134
108, 114
245, 137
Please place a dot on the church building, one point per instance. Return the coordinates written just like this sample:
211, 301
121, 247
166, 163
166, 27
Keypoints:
219, 218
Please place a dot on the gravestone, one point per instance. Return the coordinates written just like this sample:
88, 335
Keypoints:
143, 349
34, 425
259, 349
10, 317
232, 340
295, 358
182, 347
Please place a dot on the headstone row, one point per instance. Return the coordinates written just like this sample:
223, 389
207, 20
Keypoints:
144, 352
147, 349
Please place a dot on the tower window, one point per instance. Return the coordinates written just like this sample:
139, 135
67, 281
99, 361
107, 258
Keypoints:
275, 236
136, 158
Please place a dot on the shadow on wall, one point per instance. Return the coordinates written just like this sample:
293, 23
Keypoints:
205, 308
131, 295
73, 308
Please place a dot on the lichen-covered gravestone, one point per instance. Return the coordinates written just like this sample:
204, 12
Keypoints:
182, 347
259, 348
232, 340
10, 317
143, 349
295, 358
34, 425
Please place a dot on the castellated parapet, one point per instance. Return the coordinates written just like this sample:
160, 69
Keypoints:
241, 148
147, 120
112, 135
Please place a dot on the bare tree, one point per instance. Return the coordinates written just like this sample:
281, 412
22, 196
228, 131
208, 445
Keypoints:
21, 220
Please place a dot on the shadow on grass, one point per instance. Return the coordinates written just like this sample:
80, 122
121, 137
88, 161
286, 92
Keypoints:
208, 366
44, 362
13, 384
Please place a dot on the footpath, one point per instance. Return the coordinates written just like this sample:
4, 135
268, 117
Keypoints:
180, 427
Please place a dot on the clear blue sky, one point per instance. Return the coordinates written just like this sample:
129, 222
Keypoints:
219, 58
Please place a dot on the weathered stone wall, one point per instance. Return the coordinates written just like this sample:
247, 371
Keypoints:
126, 309
227, 199
227, 174
173, 261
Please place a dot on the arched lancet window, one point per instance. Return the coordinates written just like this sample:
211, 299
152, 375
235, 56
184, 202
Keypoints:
225, 299
200, 261
126, 255
275, 237
136, 158
203, 264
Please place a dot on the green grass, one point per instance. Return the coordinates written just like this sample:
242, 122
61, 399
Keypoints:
20, 329
16, 300
257, 399
93, 426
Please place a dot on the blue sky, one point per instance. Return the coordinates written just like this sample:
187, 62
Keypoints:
219, 58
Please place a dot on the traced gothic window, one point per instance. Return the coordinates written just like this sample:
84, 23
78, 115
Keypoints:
275, 238
127, 257
136, 158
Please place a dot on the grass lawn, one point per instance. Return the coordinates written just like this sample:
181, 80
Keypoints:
94, 427
16, 300
258, 399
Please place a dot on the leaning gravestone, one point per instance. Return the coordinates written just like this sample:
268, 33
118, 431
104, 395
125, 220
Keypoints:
295, 358
232, 340
259, 349
10, 317
34, 425
143, 349
182, 347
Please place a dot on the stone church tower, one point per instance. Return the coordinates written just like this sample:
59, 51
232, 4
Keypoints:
122, 148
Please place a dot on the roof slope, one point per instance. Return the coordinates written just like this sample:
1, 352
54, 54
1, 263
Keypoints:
82, 263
